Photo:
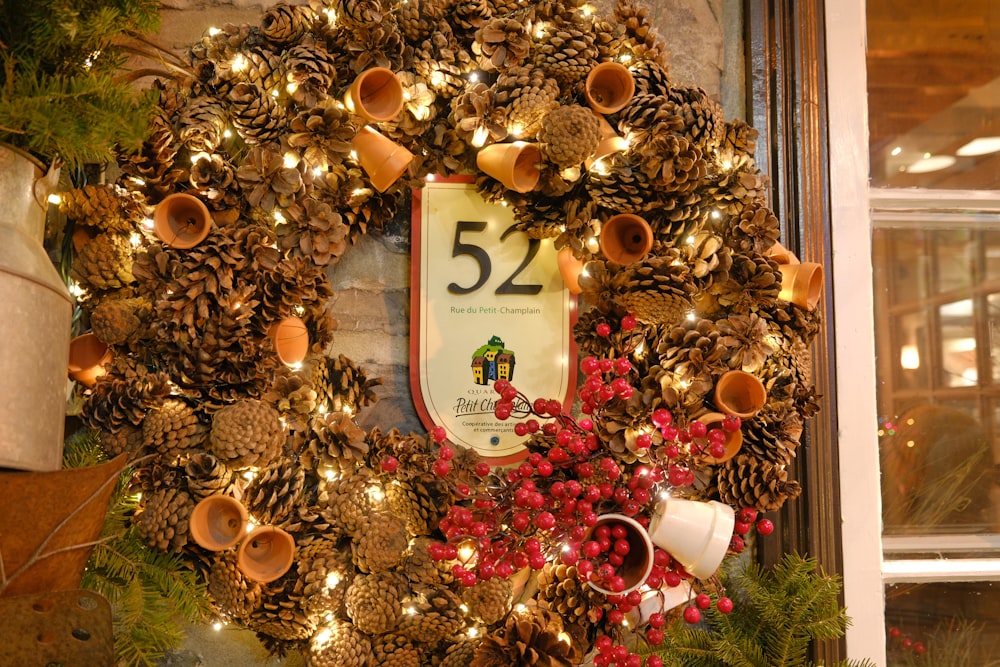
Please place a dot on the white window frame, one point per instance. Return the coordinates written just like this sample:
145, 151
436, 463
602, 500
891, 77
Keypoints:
866, 571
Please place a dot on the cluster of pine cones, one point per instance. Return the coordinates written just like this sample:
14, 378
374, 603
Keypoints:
257, 131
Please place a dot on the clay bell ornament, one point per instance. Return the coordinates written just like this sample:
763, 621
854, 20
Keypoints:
609, 87
514, 164
570, 268
696, 534
626, 239
266, 554
181, 221
218, 522
731, 445
88, 359
290, 338
376, 95
740, 393
610, 143
382, 158
638, 562
801, 282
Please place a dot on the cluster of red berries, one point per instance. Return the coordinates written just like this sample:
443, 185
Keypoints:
610, 654
692, 613
905, 642
746, 519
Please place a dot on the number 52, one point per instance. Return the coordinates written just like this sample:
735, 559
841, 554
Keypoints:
482, 258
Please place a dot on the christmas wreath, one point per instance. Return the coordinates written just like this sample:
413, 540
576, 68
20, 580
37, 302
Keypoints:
203, 268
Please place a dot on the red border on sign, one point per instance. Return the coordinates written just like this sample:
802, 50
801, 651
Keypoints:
415, 291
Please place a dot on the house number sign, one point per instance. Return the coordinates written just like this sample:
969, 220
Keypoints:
488, 303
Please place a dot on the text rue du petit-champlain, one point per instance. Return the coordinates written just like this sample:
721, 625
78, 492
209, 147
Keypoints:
495, 310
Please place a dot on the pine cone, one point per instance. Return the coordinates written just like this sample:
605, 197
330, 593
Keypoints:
420, 568
281, 614
324, 575
202, 122
529, 638
501, 43
618, 184
746, 338
566, 52
773, 436
489, 600
262, 69
380, 544
731, 190
152, 169
311, 72
340, 644
214, 179
672, 163
746, 481
755, 230
173, 429
124, 395
126, 440
334, 442
314, 231
658, 291
441, 60
233, 595
247, 433
106, 207
373, 602
460, 653
323, 134
348, 502
651, 77
105, 263
692, 350
754, 283
642, 38
421, 501
647, 116
431, 614
469, 15
293, 396
394, 650
561, 592
528, 96
343, 385
274, 491
704, 125
284, 23
569, 135
163, 521
256, 114
416, 19
374, 45
206, 476
267, 182
117, 321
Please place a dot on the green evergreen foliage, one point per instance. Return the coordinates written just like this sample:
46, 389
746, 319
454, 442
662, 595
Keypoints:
152, 594
953, 643
778, 614
58, 63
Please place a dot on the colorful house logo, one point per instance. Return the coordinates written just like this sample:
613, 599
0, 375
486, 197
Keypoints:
492, 362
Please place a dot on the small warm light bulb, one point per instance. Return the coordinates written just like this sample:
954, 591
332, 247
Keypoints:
410, 611
330, 474
249, 475
564, 637
240, 63
332, 580
437, 78
353, 155
347, 410
198, 157
479, 136
690, 240
540, 29
466, 552
473, 631
134, 239
227, 133
291, 87
55, 199
323, 636
691, 316
291, 160
376, 493
213, 31
217, 626
275, 92
625, 58
474, 77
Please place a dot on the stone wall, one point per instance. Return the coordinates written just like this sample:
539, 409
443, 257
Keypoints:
371, 282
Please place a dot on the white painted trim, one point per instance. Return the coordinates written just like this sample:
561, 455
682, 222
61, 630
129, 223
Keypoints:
855, 326
934, 200
940, 545
941, 570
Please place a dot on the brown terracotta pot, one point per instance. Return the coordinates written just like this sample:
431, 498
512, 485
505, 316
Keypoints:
382, 159
49, 524
88, 358
610, 143
609, 87
181, 221
266, 554
740, 393
218, 522
626, 238
802, 284
639, 560
782, 255
733, 442
290, 338
376, 95
514, 164
570, 269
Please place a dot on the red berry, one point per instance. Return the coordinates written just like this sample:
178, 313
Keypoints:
500, 386
536, 561
724, 605
623, 366
603, 329
703, 601
661, 418
692, 615
482, 469
906, 642
765, 527
521, 521
446, 453
698, 429
503, 409
717, 450
390, 463
590, 365
741, 528
628, 322
545, 521
654, 661
441, 468
505, 570
672, 579
585, 568
736, 544
509, 394
439, 434
731, 423
545, 468
895, 632
616, 616
604, 644
654, 636
520, 429
643, 441
657, 620
661, 558
747, 514
919, 648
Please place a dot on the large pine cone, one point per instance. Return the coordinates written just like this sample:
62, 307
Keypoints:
348, 501
311, 71
214, 179
561, 592
373, 602
416, 19
642, 38
529, 638
293, 396
647, 116
754, 283
773, 439
436, 614
704, 124
256, 114
380, 545
173, 429
104, 263
460, 653
755, 230
651, 78
152, 169
233, 594
692, 351
324, 576
107, 207
617, 183
315, 231
247, 433
528, 96
489, 600
421, 501
126, 440
117, 321
340, 644
206, 476
441, 60
394, 650
124, 395
746, 337
746, 481
163, 521
502, 43
285, 23
274, 491
658, 291
569, 135
335, 442
202, 122
420, 568
342, 384
267, 182
263, 69
566, 52
323, 134
672, 163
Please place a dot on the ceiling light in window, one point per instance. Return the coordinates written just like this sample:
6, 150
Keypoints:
980, 146
933, 163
